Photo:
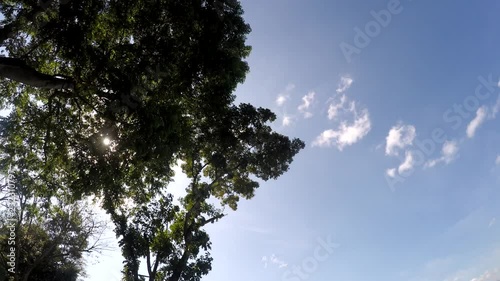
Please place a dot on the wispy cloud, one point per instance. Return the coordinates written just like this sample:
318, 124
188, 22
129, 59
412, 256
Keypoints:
281, 99
495, 109
345, 84
407, 164
273, 260
399, 137
481, 114
307, 101
492, 222
338, 103
287, 120
264, 260
448, 154
337, 106
450, 149
391, 172
497, 161
346, 134
451, 268
489, 275
285, 96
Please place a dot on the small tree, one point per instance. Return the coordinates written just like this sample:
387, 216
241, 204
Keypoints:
51, 235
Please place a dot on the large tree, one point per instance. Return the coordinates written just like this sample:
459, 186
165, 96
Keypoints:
141, 71
107, 95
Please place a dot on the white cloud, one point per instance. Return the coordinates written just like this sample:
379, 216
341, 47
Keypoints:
307, 101
407, 164
273, 260
335, 108
264, 260
345, 84
391, 172
432, 163
498, 160
326, 138
346, 134
481, 114
450, 149
287, 120
283, 97
448, 154
399, 137
349, 131
489, 275
340, 105
495, 109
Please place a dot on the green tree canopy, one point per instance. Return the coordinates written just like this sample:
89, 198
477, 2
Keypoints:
142, 70
107, 95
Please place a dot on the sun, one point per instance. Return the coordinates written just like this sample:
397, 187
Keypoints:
106, 141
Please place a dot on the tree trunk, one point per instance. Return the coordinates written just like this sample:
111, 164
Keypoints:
17, 70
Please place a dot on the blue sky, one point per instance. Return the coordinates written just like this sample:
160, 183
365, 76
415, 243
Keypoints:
439, 220
386, 208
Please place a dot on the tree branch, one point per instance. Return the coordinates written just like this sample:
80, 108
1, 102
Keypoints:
16, 70
211, 220
148, 263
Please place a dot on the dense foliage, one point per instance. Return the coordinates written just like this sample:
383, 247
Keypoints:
108, 95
